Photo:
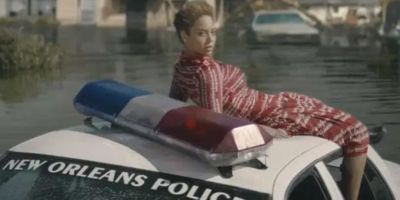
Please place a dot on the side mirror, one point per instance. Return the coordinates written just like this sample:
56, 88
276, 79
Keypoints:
376, 134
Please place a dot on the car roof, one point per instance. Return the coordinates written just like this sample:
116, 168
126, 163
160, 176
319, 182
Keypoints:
113, 146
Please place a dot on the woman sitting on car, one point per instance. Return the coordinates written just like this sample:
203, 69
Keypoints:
223, 89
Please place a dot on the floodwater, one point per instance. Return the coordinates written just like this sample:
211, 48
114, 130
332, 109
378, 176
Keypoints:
356, 79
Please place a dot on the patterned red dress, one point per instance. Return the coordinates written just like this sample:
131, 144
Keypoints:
223, 88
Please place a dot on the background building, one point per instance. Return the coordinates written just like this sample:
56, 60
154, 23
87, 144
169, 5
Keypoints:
3, 10
24, 8
352, 12
92, 12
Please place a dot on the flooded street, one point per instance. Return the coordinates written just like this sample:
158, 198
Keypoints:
355, 80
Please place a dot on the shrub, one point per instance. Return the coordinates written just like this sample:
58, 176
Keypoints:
20, 51
41, 21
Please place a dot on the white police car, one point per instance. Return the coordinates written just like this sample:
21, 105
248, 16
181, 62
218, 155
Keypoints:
281, 26
100, 161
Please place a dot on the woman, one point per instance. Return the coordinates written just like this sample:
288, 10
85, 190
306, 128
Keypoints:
223, 88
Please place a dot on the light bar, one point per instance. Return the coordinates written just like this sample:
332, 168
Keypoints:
216, 138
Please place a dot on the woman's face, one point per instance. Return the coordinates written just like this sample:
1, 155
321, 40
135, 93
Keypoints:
202, 37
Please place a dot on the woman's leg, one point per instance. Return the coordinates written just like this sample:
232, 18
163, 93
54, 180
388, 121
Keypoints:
300, 115
353, 173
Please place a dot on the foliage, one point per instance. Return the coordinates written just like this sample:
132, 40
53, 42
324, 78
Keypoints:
38, 21
20, 51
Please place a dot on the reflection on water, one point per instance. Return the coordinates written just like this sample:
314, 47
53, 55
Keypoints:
89, 40
364, 85
16, 87
385, 69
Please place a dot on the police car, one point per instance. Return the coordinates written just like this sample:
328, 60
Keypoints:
104, 161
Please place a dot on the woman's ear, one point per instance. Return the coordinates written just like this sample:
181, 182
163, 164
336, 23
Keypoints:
184, 36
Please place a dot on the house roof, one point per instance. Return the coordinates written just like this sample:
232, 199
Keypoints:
339, 2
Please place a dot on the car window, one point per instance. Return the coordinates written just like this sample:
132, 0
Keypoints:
33, 176
373, 186
279, 18
309, 186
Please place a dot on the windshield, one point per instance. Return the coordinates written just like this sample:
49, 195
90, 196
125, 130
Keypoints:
279, 18
32, 176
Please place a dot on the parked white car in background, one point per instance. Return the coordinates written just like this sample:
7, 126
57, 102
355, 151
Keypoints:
281, 26
99, 162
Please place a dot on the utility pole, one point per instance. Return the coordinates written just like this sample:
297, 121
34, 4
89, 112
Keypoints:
29, 7
136, 21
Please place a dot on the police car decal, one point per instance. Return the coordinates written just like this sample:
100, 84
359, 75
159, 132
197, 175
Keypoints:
131, 183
